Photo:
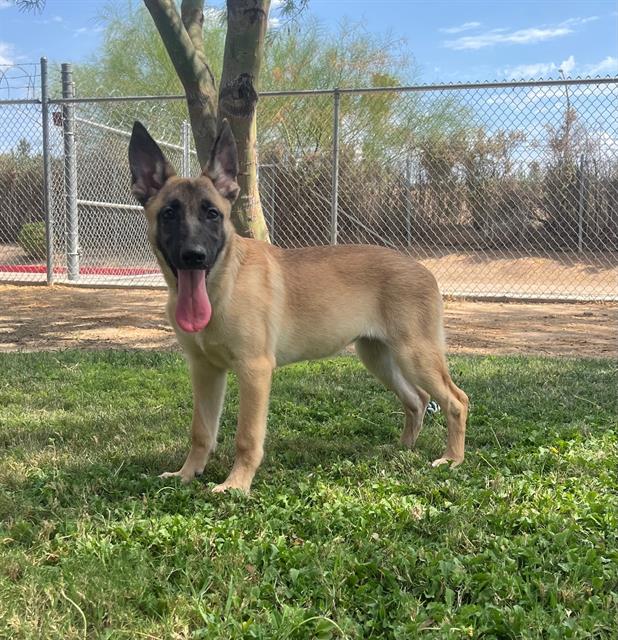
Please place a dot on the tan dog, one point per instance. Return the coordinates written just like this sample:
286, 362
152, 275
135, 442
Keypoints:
248, 306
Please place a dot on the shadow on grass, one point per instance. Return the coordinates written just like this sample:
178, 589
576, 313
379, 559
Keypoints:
109, 446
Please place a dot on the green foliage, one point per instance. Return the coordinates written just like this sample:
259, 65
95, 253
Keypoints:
294, 132
435, 153
344, 536
309, 56
23, 149
133, 61
21, 189
32, 240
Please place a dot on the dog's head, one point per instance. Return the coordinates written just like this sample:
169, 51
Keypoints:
188, 218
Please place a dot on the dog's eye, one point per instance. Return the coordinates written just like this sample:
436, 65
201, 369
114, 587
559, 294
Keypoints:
212, 213
168, 213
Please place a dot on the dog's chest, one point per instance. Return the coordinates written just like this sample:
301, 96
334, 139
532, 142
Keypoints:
211, 345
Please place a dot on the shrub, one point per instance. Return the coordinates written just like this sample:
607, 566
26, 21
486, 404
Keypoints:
32, 240
21, 193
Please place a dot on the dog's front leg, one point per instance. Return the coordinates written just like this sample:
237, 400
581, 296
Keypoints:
254, 388
208, 393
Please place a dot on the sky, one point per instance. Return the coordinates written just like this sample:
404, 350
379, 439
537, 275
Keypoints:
449, 41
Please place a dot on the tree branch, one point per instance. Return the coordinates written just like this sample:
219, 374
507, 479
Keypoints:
30, 5
192, 13
175, 38
191, 66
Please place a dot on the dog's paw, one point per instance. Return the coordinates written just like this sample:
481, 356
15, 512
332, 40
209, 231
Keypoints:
226, 486
406, 440
455, 462
185, 476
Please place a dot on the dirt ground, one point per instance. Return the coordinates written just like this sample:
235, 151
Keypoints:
566, 275
555, 275
40, 318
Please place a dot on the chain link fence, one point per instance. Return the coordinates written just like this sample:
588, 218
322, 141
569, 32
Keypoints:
505, 190
21, 184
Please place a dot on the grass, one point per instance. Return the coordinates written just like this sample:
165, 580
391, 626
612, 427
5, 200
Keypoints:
345, 535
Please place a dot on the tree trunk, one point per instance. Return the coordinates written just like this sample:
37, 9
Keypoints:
244, 48
247, 22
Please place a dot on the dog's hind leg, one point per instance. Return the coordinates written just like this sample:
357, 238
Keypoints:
208, 395
424, 365
415, 415
378, 359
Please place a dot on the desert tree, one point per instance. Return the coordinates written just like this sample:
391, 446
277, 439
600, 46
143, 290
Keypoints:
234, 98
237, 94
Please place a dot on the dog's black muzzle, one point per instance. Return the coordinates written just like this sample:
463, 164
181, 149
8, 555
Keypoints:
193, 257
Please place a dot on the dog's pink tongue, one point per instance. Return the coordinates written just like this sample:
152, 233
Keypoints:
193, 308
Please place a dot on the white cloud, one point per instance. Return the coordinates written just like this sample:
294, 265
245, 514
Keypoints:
575, 22
5, 4
567, 65
529, 71
607, 66
81, 31
531, 35
54, 20
502, 36
542, 93
276, 7
466, 26
534, 95
6, 53
607, 142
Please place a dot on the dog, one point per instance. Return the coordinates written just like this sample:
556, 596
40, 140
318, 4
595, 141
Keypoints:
244, 305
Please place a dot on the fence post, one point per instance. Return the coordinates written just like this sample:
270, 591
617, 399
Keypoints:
70, 172
186, 150
408, 201
335, 169
267, 178
580, 206
47, 208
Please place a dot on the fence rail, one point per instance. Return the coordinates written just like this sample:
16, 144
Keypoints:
505, 190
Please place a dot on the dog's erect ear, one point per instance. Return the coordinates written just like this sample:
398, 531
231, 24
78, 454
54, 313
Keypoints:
222, 167
149, 168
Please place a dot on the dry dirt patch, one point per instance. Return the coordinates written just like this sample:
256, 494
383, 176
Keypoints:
40, 318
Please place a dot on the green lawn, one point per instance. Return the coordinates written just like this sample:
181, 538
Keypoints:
345, 535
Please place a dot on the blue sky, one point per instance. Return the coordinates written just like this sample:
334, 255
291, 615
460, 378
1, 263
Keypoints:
450, 41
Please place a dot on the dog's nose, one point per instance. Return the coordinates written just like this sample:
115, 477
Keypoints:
194, 257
